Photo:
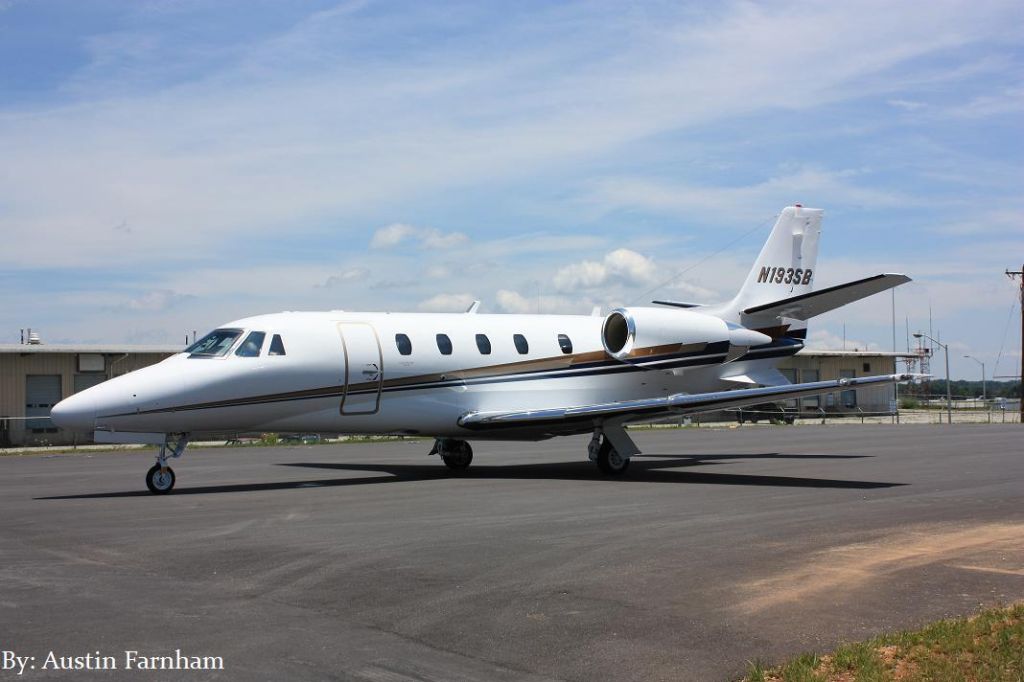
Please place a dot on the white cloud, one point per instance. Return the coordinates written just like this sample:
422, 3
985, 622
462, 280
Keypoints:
620, 266
810, 186
304, 126
156, 301
358, 274
513, 302
823, 339
429, 238
907, 105
447, 303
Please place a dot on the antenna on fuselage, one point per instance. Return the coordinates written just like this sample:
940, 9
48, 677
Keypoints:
473, 307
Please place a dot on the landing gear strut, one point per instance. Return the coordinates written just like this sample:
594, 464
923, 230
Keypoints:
608, 459
456, 454
160, 478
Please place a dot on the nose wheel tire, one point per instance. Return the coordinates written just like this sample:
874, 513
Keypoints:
611, 462
459, 457
160, 480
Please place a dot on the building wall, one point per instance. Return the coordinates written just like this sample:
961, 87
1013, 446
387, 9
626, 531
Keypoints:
15, 367
830, 367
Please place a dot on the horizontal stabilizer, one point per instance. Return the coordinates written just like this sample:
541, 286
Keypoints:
806, 306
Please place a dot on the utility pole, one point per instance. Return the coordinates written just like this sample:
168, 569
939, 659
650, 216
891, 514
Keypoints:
1014, 275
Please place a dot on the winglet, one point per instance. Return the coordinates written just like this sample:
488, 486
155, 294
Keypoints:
678, 304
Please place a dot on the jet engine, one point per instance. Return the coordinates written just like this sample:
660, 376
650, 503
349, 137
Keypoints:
637, 335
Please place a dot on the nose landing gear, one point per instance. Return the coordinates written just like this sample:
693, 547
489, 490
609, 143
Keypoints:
160, 477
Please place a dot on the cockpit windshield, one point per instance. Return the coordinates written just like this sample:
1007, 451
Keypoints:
215, 344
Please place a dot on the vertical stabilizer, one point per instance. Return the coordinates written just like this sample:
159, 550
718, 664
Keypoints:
786, 264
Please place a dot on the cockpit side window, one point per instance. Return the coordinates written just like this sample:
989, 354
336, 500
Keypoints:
276, 345
215, 344
252, 345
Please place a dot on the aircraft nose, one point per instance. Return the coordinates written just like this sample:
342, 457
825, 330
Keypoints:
74, 413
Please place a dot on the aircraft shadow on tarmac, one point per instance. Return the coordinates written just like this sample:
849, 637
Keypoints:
644, 469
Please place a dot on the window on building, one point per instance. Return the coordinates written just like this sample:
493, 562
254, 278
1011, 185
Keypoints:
42, 392
847, 399
521, 344
276, 345
215, 344
84, 381
444, 344
404, 344
866, 367
565, 343
483, 344
810, 376
252, 345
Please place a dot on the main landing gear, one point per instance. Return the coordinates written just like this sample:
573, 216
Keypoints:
608, 459
611, 447
456, 454
160, 478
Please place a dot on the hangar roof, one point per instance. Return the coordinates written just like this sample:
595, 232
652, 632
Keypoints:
855, 353
87, 348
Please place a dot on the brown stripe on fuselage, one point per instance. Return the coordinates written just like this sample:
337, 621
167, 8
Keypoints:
489, 371
667, 349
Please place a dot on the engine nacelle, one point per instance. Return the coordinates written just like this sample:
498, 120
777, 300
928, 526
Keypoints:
640, 335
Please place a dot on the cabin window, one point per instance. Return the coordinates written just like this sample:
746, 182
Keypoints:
215, 344
444, 344
565, 343
484, 344
276, 345
404, 344
521, 344
252, 345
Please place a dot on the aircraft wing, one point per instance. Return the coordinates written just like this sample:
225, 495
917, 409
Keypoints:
679, 403
806, 306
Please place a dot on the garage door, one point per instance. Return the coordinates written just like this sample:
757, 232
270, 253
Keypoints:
42, 392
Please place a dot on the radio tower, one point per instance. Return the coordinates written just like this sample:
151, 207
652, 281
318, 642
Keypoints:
1014, 274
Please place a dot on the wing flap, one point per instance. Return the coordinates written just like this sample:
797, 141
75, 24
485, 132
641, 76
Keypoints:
674, 404
806, 306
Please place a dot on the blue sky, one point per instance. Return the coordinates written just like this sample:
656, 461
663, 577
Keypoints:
168, 166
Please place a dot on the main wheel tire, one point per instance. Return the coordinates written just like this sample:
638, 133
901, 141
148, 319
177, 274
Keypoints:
460, 457
160, 481
609, 461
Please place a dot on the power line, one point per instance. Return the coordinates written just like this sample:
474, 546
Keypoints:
701, 261
1006, 331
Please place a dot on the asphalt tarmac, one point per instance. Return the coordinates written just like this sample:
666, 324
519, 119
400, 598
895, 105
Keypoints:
371, 562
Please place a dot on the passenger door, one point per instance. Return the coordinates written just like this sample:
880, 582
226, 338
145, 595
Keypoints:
364, 368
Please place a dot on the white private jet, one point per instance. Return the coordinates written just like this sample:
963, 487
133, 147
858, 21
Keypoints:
457, 377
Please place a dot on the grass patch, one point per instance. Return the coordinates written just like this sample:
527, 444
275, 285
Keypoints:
988, 646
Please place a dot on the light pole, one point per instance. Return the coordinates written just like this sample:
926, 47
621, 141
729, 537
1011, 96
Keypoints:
983, 393
949, 395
